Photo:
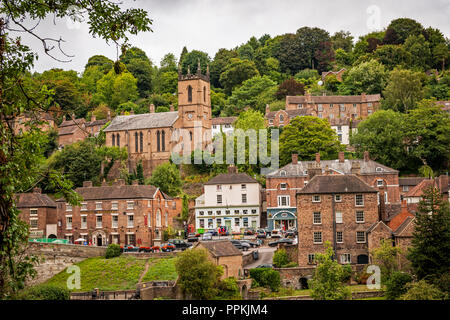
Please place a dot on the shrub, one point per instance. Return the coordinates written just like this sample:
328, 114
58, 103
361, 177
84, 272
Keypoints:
396, 285
112, 251
266, 277
228, 289
347, 272
280, 258
422, 290
44, 292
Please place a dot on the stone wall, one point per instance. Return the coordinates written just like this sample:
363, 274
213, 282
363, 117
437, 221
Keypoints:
295, 277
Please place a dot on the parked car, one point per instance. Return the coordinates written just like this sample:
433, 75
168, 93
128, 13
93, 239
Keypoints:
267, 265
252, 244
168, 247
276, 242
207, 236
249, 232
244, 246
130, 248
180, 244
276, 233
289, 234
261, 233
192, 237
145, 249
268, 232
213, 232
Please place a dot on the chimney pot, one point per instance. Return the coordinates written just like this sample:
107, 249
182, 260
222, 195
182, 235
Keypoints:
318, 157
87, 184
341, 157
294, 158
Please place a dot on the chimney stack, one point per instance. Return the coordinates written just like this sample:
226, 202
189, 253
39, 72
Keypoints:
232, 169
356, 168
152, 108
341, 157
87, 184
314, 169
366, 156
37, 190
294, 158
172, 108
363, 97
318, 157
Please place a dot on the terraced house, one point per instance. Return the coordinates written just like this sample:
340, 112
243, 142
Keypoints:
124, 214
230, 199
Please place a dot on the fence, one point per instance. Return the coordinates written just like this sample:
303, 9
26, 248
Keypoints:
46, 240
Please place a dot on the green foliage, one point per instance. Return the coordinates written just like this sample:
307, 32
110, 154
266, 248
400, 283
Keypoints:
392, 56
422, 290
228, 290
400, 29
167, 178
403, 91
198, 276
342, 40
396, 285
236, 72
103, 63
280, 258
250, 119
368, 77
386, 257
114, 89
347, 272
290, 87
431, 238
192, 58
161, 269
218, 65
185, 208
266, 277
112, 251
307, 136
329, 275
44, 292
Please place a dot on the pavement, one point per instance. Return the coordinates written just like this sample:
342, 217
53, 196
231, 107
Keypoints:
265, 257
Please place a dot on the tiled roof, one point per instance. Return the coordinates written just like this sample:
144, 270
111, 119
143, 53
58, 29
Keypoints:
375, 224
96, 123
332, 99
300, 169
117, 192
222, 248
417, 191
72, 122
231, 178
34, 200
398, 219
336, 184
410, 181
291, 113
223, 120
143, 121
403, 226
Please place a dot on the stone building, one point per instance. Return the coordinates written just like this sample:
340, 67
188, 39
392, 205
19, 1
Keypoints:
153, 137
224, 253
230, 199
73, 130
39, 211
338, 74
223, 124
339, 209
124, 214
46, 119
282, 184
407, 183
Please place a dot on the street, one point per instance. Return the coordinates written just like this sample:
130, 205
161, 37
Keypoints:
265, 257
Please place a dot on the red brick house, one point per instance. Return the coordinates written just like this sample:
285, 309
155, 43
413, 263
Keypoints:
39, 211
73, 130
124, 214
340, 209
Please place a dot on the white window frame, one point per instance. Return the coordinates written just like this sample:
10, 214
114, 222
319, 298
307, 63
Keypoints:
283, 186
69, 225
314, 237
365, 237
97, 204
83, 206
113, 225
114, 205
339, 217
37, 223
83, 224
97, 225
68, 207
219, 197
286, 198
130, 205
336, 198
341, 238
314, 200
311, 258
128, 220
33, 212
380, 183
317, 217
356, 200
346, 258
357, 218
243, 186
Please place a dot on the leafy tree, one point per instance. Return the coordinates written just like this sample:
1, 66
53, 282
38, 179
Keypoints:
228, 290
280, 258
114, 89
420, 52
403, 91
246, 51
167, 178
218, 65
290, 87
400, 29
368, 77
291, 54
306, 136
307, 74
21, 155
266, 277
250, 119
101, 111
103, 63
198, 277
324, 56
392, 56
440, 54
185, 208
386, 257
192, 58
342, 40
332, 83
421, 290
112, 251
250, 93
343, 58
425, 132
90, 77
218, 102
327, 282
141, 70
184, 52
382, 134
236, 72
168, 82
168, 63
396, 285
431, 238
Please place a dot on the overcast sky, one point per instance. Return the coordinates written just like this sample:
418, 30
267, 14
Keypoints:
209, 25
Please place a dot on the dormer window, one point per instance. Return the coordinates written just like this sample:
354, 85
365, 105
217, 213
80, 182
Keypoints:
378, 169
282, 173
283, 186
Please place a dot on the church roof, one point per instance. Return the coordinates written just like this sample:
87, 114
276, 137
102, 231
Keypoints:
143, 121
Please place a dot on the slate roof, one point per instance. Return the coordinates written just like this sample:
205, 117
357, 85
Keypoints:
291, 113
117, 192
222, 248
300, 169
34, 200
231, 178
417, 191
332, 99
403, 226
143, 121
223, 120
336, 184
96, 123
410, 181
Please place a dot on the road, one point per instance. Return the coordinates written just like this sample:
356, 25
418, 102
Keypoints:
265, 257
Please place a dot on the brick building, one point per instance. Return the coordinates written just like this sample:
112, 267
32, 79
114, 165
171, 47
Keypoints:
282, 184
407, 183
223, 124
73, 130
125, 214
39, 211
338, 74
224, 253
340, 209
46, 119
152, 137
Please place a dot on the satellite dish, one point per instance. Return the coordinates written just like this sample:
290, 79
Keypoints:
320, 83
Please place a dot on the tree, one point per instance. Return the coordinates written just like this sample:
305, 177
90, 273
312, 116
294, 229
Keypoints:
103, 63
307, 136
218, 65
396, 285
441, 54
168, 63
421, 290
431, 238
382, 134
168, 82
167, 178
21, 155
192, 58
425, 134
420, 52
280, 258
403, 91
142, 70
236, 72
251, 92
400, 29
250, 119
198, 277
290, 87
386, 257
368, 77
392, 56
114, 89
327, 282
342, 40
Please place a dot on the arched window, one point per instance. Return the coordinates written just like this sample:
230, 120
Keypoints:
166, 219
158, 218
190, 135
281, 118
136, 142
118, 139
204, 94
113, 139
158, 143
189, 94
163, 140
141, 138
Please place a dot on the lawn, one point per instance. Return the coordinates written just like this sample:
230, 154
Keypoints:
161, 269
121, 273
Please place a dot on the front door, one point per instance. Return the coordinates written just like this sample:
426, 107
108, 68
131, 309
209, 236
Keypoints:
254, 224
99, 241
228, 224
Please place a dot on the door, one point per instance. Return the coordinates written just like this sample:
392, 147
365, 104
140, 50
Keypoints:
254, 224
99, 241
228, 224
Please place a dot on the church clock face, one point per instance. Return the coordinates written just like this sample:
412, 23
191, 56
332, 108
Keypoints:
189, 116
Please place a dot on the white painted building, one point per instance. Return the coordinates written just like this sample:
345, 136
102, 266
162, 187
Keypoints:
223, 124
231, 199
342, 128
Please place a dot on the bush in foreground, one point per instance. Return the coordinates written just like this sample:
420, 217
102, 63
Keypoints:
396, 285
422, 290
266, 277
44, 292
112, 251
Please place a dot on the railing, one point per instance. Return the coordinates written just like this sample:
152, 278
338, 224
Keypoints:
46, 240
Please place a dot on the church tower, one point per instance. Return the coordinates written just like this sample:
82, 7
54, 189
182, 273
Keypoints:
194, 105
